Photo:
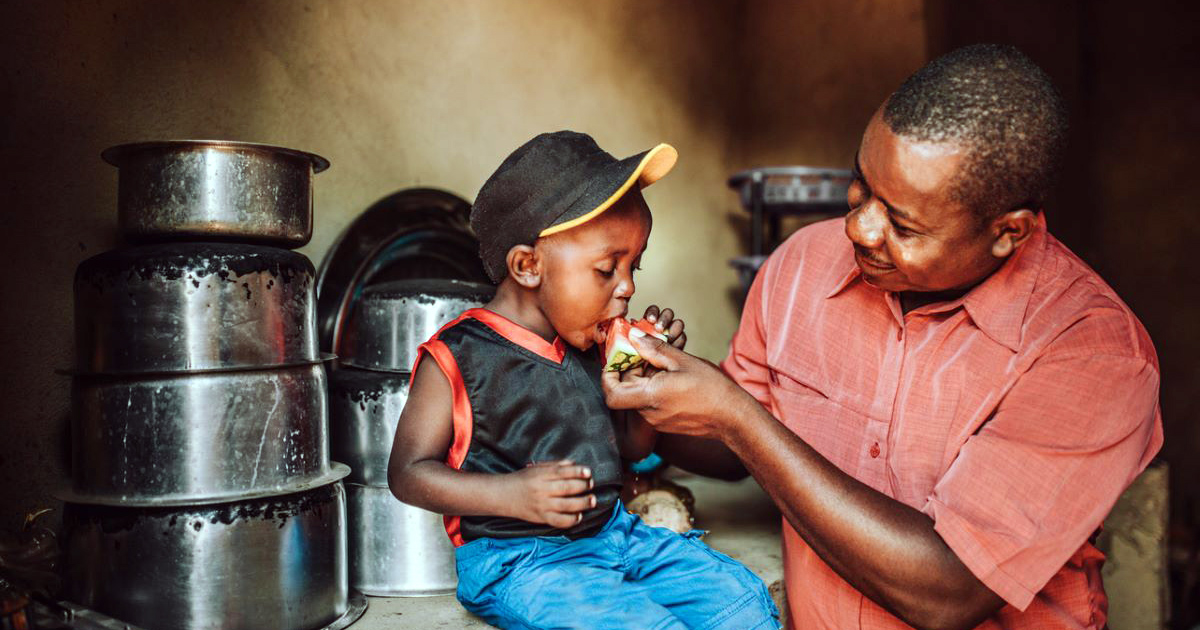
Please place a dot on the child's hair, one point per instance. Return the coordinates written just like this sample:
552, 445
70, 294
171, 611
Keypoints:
552, 183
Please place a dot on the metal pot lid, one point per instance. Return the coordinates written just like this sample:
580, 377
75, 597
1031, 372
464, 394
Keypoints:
337, 471
115, 155
416, 225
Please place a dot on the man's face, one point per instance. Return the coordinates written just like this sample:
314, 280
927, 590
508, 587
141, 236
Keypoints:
909, 234
587, 276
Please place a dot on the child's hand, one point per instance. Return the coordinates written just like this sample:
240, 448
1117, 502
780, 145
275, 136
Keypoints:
665, 322
553, 493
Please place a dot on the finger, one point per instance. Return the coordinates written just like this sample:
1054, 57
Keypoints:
560, 462
569, 487
675, 329
563, 521
651, 313
664, 319
569, 505
655, 351
572, 472
680, 341
631, 393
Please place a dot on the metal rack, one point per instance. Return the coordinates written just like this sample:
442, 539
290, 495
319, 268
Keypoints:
773, 192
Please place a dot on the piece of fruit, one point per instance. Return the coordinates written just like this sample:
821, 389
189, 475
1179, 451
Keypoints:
619, 353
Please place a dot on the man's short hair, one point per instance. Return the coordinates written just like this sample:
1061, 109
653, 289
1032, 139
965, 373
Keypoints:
1002, 108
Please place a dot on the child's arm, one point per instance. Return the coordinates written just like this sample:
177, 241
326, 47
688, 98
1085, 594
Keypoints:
638, 437
552, 492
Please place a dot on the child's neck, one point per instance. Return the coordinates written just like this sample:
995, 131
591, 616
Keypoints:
520, 305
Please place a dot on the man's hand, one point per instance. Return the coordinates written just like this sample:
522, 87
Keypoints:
685, 394
552, 493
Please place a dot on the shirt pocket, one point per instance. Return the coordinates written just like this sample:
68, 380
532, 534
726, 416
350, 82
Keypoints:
831, 428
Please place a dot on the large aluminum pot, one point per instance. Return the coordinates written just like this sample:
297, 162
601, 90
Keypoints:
276, 562
183, 439
391, 319
397, 549
364, 408
194, 306
215, 190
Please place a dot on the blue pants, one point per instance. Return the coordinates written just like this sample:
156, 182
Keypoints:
629, 575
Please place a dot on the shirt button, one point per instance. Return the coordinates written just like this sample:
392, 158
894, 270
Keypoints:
875, 450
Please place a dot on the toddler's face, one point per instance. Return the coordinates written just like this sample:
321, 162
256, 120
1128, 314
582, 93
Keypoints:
587, 276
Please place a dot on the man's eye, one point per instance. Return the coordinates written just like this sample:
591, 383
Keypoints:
900, 229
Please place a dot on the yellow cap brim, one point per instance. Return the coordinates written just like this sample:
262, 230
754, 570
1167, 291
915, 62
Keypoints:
654, 165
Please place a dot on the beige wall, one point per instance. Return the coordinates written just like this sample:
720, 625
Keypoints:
398, 94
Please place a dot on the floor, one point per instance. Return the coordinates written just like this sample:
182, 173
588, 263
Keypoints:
740, 518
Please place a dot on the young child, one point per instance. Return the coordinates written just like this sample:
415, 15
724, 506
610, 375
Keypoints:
506, 431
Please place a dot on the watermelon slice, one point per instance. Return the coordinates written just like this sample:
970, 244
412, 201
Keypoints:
619, 353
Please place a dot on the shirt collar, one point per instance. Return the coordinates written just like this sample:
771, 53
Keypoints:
997, 306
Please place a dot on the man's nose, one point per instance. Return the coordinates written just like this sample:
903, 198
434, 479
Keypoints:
865, 225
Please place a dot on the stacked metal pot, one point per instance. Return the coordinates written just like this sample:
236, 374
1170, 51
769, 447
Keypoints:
395, 549
202, 492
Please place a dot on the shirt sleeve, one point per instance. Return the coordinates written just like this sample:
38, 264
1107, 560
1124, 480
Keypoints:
746, 363
1037, 479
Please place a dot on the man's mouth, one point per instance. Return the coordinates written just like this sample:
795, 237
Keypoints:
866, 260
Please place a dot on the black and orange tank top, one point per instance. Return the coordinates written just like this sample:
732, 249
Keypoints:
518, 399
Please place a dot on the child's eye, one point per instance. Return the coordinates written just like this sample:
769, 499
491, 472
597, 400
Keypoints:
607, 273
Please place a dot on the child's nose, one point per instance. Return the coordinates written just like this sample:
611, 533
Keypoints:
625, 287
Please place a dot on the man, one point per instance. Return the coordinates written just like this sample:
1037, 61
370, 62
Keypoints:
943, 400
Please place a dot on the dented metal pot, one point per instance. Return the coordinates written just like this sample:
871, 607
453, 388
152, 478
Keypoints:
396, 549
206, 190
182, 439
391, 319
193, 307
364, 409
276, 562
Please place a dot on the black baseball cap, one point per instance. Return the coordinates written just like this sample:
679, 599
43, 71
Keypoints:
553, 183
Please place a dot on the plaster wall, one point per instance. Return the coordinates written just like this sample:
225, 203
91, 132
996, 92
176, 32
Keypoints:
394, 94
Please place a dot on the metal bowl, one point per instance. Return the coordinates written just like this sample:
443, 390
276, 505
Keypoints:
183, 439
392, 319
276, 562
194, 306
396, 549
214, 190
364, 409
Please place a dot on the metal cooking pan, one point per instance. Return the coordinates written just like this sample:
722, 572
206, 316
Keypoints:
215, 190
276, 562
183, 439
194, 306
397, 549
413, 233
390, 320
364, 409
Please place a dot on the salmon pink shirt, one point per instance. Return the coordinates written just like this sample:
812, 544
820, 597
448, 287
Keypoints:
1013, 416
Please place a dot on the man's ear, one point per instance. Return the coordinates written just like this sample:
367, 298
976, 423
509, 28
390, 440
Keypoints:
1010, 230
525, 266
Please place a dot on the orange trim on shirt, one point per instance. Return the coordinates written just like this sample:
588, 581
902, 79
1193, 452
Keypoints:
519, 335
461, 415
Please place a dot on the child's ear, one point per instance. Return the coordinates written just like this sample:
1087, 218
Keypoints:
525, 266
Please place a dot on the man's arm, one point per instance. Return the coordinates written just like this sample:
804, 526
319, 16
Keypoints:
887, 550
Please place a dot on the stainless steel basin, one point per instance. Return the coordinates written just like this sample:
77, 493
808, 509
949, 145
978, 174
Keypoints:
206, 190
391, 319
181, 439
277, 562
194, 306
397, 549
364, 409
